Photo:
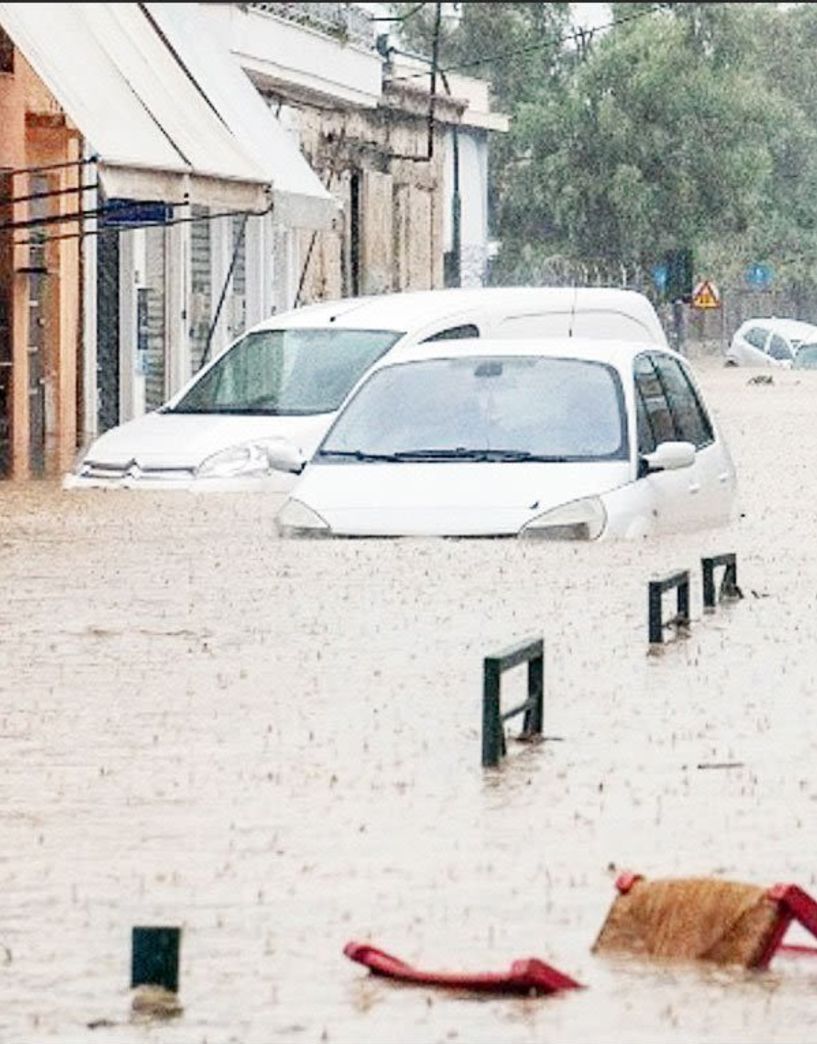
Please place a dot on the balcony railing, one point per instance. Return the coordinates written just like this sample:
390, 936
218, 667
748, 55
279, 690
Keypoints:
344, 22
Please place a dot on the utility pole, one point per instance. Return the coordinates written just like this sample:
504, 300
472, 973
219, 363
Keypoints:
435, 59
456, 211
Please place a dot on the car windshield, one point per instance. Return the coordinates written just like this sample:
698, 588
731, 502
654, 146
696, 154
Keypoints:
483, 408
285, 372
806, 358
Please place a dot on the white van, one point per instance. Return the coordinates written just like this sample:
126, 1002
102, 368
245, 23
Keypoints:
283, 381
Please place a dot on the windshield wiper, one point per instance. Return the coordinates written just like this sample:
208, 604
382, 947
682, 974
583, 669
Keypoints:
359, 455
523, 455
479, 455
463, 453
226, 411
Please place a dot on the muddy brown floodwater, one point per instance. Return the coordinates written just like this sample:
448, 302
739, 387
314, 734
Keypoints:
276, 746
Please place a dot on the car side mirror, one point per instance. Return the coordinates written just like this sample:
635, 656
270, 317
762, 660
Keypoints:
668, 456
285, 457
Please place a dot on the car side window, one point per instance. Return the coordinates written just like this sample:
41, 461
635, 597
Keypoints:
690, 419
756, 337
646, 440
453, 333
779, 348
655, 423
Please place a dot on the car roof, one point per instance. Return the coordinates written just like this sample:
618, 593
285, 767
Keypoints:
409, 309
789, 327
619, 354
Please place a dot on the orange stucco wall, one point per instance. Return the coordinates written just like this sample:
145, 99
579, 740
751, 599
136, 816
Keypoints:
33, 133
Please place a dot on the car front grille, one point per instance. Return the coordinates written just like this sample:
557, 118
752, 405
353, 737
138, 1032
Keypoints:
116, 472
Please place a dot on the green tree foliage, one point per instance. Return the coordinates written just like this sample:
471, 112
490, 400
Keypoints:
685, 124
672, 132
515, 46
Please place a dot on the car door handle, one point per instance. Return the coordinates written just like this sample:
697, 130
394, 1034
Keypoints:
694, 487
724, 477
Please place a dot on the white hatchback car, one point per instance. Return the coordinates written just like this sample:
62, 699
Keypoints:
558, 439
284, 380
768, 342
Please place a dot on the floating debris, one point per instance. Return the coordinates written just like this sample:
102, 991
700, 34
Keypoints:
156, 1002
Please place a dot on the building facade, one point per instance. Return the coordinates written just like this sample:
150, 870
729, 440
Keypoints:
39, 275
187, 180
248, 158
399, 164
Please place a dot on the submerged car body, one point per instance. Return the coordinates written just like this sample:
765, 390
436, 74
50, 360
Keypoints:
565, 438
768, 342
806, 356
282, 383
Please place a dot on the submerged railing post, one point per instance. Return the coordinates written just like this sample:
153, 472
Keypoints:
532, 652
655, 592
729, 589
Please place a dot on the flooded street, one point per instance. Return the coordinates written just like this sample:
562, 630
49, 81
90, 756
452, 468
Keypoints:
276, 746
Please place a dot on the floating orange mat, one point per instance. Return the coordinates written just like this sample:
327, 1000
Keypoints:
529, 976
704, 919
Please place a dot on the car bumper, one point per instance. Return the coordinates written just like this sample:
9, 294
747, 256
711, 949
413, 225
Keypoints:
276, 482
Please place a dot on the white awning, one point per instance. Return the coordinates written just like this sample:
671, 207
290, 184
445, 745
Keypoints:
141, 109
300, 198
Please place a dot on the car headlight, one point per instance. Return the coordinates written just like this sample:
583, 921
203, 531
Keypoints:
295, 519
250, 458
583, 519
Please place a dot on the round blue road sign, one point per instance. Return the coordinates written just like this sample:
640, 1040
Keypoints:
759, 275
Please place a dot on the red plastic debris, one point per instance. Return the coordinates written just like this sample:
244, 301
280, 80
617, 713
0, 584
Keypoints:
794, 905
529, 975
625, 881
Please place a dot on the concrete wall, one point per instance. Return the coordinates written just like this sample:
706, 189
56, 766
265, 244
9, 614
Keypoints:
472, 149
296, 56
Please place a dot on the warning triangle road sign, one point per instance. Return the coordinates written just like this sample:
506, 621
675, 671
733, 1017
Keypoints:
706, 295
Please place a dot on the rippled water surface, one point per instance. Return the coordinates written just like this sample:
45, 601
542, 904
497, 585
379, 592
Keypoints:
276, 746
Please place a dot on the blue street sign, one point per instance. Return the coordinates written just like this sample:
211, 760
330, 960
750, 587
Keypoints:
135, 213
660, 276
759, 275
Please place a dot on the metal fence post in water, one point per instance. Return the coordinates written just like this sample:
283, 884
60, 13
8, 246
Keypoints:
655, 591
532, 652
155, 957
729, 584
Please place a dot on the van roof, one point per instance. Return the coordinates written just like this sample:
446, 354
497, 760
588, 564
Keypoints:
406, 311
618, 354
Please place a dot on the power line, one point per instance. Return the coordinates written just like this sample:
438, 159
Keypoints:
576, 35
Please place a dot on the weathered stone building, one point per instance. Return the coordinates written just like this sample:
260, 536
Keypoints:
369, 128
391, 190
